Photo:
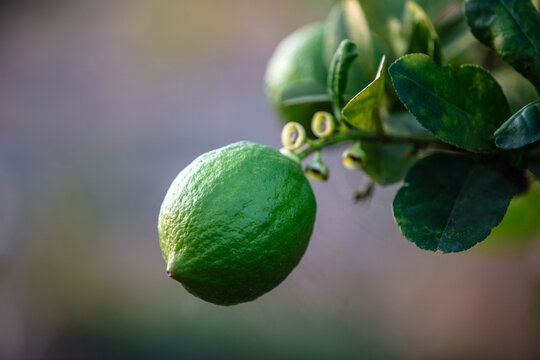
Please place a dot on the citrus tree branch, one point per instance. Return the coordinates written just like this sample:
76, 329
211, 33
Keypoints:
355, 135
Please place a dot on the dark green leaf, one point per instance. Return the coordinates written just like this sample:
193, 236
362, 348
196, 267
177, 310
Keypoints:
339, 71
462, 105
363, 111
387, 164
522, 129
450, 202
512, 29
534, 163
516, 158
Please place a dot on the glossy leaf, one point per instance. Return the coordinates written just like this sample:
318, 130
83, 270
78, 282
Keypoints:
450, 202
462, 105
362, 111
387, 164
339, 72
512, 29
522, 129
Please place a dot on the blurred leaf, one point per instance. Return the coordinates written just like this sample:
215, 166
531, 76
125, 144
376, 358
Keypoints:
378, 12
298, 90
420, 32
460, 50
363, 111
348, 21
451, 22
534, 163
404, 124
516, 158
387, 164
512, 29
519, 91
522, 218
462, 105
450, 202
396, 39
522, 129
339, 72
307, 99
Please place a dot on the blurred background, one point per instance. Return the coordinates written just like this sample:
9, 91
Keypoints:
103, 102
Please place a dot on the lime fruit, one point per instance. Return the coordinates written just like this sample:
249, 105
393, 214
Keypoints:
235, 222
297, 69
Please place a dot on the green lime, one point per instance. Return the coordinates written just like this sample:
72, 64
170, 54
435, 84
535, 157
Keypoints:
296, 70
235, 222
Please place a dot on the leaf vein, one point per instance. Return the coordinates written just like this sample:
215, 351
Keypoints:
461, 189
525, 33
435, 95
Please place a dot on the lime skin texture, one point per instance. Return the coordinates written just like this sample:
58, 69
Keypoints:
235, 222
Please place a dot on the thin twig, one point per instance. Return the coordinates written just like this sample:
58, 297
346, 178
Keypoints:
355, 135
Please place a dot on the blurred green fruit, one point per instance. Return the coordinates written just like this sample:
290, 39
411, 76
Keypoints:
297, 70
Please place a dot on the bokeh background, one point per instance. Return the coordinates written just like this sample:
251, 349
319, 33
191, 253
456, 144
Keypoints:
103, 102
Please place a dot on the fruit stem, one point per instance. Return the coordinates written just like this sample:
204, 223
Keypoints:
356, 135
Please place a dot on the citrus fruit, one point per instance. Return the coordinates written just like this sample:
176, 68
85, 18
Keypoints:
297, 69
235, 222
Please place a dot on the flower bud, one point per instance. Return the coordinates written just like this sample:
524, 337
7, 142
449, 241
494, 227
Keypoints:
354, 158
293, 135
323, 124
317, 170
